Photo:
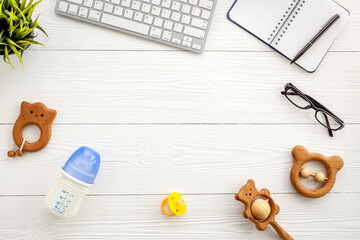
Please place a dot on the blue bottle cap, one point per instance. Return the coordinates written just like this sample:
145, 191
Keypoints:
83, 165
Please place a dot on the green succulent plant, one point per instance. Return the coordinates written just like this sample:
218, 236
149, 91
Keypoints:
16, 27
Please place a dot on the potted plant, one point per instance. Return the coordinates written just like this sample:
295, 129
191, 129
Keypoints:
17, 27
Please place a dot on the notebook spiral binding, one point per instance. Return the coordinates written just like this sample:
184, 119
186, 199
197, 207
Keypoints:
286, 21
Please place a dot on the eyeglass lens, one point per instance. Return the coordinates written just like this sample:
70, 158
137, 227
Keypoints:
297, 99
327, 120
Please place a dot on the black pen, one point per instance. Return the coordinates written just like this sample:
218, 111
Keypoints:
326, 26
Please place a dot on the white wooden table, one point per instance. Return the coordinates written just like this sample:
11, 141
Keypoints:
166, 120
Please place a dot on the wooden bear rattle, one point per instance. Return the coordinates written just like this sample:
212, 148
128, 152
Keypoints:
39, 115
260, 208
301, 156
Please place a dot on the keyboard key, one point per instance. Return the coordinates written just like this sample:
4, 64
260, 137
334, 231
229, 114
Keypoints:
165, 13
193, 2
205, 14
117, 2
206, 4
94, 15
63, 6
155, 2
73, 9
186, 44
136, 5
118, 11
76, 1
128, 13
146, 8
88, 3
156, 11
196, 22
176, 6
196, 11
108, 8
125, 24
194, 32
187, 39
178, 27
166, 3
155, 32
168, 25
158, 22
186, 8
176, 16
98, 5
196, 46
167, 36
176, 41
138, 16
83, 12
149, 19
185, 19
125, 3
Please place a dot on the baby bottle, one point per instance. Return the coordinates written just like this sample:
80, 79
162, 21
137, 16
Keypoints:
76, 178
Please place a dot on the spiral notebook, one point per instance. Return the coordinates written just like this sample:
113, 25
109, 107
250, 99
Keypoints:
288, 25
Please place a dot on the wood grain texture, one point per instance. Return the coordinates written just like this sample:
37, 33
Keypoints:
66, 34
301, 156
140, 87
165, 120
153, 159
208, 217
247, 195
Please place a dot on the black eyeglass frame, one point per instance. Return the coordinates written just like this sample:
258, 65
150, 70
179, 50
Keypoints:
318, 107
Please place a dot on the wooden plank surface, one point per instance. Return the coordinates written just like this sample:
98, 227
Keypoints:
113, 87
208, 217
193, 159
166, 120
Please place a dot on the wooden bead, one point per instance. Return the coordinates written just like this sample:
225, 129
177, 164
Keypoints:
11, 153
260, 209
19, 153
319, 177
305, 173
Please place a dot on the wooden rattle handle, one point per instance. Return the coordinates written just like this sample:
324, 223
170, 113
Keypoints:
280, 231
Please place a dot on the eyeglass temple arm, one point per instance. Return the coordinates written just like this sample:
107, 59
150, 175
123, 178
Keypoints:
314, 102
322, 106
328, 125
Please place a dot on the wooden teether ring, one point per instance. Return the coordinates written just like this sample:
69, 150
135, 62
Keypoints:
39, 115
301, 156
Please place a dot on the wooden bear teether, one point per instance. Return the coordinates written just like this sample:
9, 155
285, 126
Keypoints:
39, 115
260, 208
301, 156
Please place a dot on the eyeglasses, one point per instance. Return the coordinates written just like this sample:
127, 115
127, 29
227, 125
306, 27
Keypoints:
322, 114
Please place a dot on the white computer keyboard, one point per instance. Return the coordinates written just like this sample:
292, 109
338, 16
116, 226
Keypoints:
180, 23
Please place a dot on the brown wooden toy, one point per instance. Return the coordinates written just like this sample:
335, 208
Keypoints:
39, 115
260, 208
301, 156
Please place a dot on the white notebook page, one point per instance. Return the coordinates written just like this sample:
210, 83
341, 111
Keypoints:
288, 25
306, 22
260, 17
